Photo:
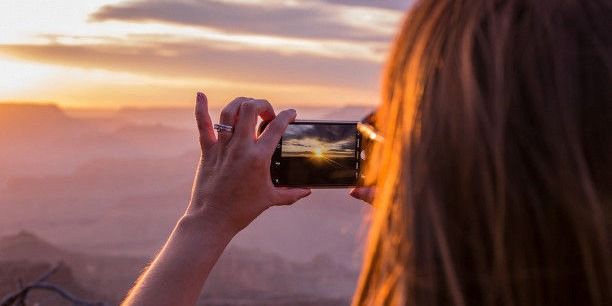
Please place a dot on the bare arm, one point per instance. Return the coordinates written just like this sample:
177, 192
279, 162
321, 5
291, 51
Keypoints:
178, 273
232, 187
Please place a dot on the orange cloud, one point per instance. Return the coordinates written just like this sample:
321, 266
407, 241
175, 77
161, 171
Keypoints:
185, 60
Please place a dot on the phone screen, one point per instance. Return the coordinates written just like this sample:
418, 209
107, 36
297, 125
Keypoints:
317, 154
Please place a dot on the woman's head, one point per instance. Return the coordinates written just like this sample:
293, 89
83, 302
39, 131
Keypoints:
494, 184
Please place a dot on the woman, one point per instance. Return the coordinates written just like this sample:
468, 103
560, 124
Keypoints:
493, 185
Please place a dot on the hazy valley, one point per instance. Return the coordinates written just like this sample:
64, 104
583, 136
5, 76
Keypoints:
100, 190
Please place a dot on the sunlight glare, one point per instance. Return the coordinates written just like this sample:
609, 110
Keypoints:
318, 152
19, 77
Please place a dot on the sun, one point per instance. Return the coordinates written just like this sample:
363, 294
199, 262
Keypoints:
17, 77
318, 152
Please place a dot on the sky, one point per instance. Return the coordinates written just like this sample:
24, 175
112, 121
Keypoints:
116, 53
332, 141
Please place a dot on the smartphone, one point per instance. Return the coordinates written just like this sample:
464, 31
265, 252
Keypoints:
318, 154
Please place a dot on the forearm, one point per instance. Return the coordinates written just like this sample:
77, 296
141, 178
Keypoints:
177, 274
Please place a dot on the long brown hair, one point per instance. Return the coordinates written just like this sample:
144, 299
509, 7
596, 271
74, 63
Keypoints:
494, 183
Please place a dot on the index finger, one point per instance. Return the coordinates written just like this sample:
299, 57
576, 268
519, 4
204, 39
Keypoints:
247, 117
275, 129
205, 128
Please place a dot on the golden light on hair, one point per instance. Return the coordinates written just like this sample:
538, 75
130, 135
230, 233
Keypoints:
384, 276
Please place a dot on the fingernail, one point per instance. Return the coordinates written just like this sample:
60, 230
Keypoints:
200, 97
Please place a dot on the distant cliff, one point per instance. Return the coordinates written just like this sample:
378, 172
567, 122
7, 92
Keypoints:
246, 277
105, 276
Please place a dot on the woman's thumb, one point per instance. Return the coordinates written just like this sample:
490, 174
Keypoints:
288, 196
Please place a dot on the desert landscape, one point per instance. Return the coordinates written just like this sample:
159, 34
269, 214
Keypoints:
100, 190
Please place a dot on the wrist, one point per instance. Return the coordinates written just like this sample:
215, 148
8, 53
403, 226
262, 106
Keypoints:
206, 224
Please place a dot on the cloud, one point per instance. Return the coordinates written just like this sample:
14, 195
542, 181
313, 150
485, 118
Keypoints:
178, 60
303, 19
323, 51
399, 5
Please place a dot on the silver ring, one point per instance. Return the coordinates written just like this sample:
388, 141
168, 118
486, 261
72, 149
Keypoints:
223, 128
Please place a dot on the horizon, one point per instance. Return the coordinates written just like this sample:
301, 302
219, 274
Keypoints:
112, 54
103, 108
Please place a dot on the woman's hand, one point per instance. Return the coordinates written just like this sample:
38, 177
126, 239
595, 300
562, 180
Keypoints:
365, 194
233, 184
232, 187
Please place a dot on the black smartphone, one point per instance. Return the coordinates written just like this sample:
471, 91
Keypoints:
318, 154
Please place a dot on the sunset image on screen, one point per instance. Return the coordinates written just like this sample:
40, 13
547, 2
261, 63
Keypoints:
325, 142
318, 154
